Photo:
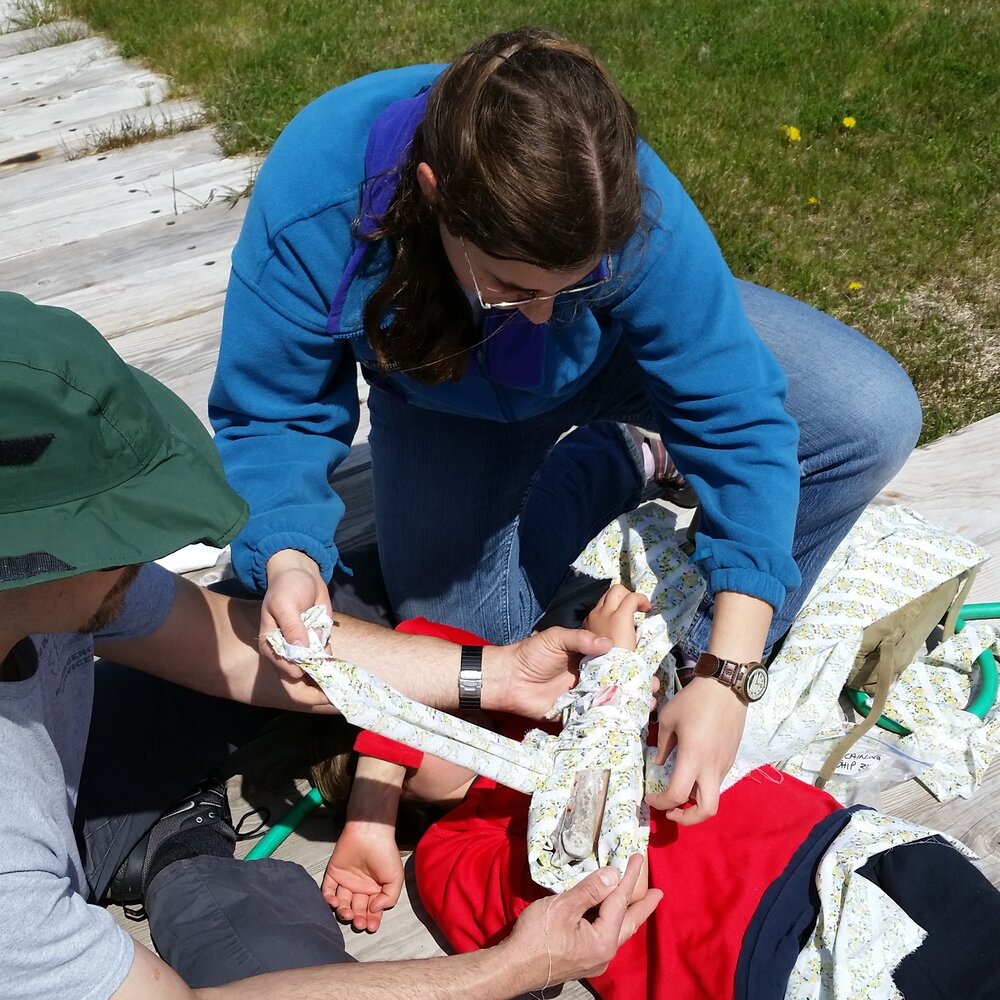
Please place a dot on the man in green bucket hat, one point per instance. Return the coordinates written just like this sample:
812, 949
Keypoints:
102, 470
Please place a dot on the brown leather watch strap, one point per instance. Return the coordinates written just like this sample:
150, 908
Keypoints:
732, 674
724, 671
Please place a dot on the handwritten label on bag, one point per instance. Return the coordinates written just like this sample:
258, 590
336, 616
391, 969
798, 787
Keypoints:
857, 762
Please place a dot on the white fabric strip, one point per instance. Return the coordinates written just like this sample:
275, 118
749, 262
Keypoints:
367, 701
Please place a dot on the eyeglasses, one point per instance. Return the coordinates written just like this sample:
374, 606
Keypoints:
604, 266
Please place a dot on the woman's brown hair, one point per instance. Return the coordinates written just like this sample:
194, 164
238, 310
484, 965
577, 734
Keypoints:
534, 150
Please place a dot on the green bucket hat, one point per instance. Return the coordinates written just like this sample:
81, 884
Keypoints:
100, 464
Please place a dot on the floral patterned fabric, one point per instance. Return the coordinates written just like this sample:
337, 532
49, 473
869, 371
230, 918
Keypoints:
367, 701
604, 728
891, 556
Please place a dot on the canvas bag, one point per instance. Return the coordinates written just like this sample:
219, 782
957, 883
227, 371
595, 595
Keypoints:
890, 645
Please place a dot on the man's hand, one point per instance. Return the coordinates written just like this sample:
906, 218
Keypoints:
705, 721
364, 876
526, 677
293, 584
564, 939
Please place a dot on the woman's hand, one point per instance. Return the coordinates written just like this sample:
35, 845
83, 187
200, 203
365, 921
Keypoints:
293, 585
614, 615
705, 721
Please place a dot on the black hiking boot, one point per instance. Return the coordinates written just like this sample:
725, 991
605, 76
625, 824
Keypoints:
200, 824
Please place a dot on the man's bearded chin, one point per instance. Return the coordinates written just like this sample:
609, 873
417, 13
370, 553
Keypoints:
111, 606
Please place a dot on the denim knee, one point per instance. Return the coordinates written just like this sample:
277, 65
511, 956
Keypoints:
880, 417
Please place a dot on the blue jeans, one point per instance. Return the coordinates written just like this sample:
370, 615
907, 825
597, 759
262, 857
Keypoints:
478, 521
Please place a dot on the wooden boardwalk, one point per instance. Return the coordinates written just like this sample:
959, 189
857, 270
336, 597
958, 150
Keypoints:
138, 239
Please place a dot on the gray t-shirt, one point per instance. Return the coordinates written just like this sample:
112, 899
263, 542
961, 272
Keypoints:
54, 944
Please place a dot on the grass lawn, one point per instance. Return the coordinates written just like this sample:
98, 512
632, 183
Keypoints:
844, 151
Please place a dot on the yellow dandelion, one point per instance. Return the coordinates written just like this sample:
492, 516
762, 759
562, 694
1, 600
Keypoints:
792, 134
849, 122
812, 200
854, 286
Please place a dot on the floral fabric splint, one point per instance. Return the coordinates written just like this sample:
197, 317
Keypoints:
607, 713
891, 556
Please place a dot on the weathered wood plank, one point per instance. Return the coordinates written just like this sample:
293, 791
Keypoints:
141, 296
20, 42
9, 11
76, 108
953, 482
75, 134
117, 166
13, 43
182, 354
28, 70
49, 274
114, 207
21, 91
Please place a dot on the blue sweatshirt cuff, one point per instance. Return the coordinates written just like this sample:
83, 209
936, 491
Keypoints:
250, 563
750, 582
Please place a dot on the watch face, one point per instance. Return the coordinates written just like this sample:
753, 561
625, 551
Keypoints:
756, 683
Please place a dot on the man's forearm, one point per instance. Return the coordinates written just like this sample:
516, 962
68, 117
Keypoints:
210, 643
569, 936
423, 667
487, 974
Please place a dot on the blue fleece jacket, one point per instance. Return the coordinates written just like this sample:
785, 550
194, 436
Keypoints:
284, 403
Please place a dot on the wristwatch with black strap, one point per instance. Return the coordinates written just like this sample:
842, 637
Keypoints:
748, 680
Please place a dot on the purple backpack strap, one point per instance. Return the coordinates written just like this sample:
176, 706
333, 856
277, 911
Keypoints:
388, 146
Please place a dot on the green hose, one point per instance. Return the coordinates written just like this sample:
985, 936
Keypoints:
988, 684
278, 833
988, 679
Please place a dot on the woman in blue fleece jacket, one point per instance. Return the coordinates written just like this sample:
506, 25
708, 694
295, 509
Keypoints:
507, 261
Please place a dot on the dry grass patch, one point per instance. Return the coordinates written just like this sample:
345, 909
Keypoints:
28, 14
55, 33
130, 130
